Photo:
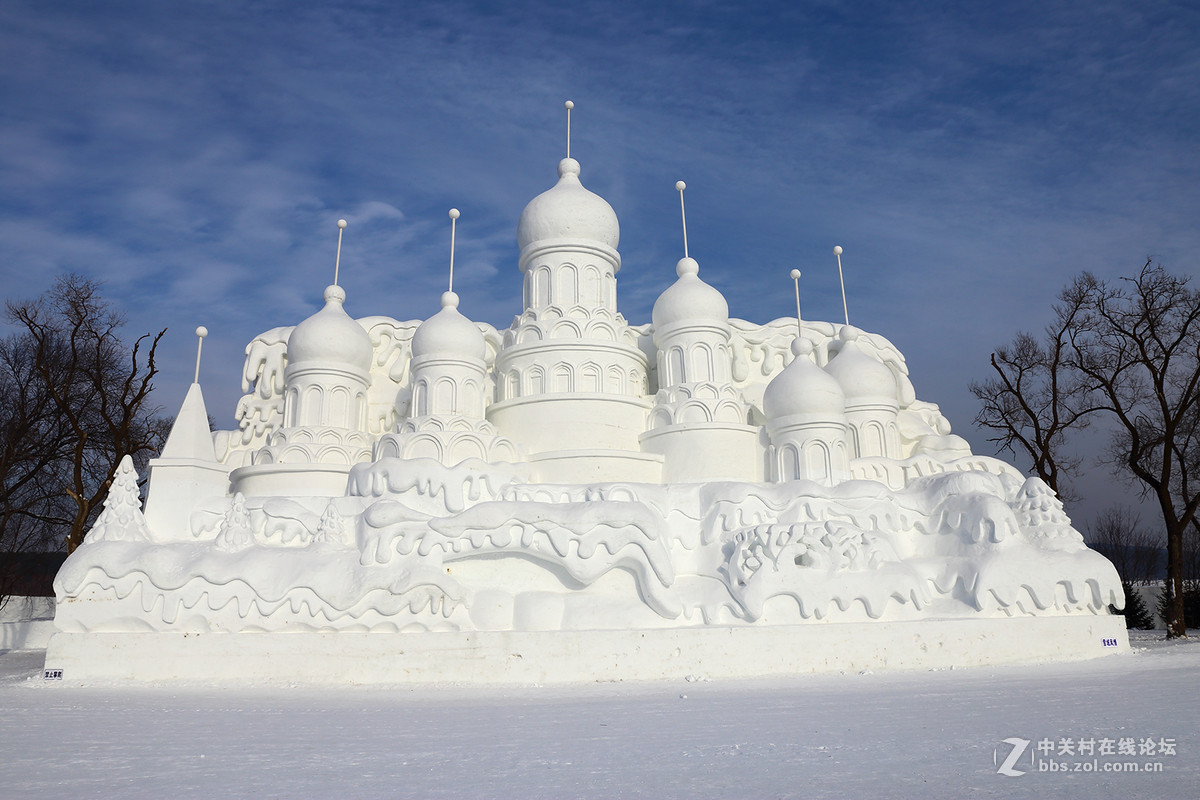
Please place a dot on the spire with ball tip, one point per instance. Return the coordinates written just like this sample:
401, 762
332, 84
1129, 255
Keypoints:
568, 106
454, 215
679, 187
837, 251
201, 332
337, 261
799, 322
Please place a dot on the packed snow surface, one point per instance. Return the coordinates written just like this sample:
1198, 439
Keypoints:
900, 734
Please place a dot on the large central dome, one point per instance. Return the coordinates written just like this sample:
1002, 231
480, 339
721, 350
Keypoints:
568, 211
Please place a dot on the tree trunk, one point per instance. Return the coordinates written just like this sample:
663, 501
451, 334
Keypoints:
1176, 624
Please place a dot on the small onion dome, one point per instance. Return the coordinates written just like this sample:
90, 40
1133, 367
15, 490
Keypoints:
865, 380
689, 298
568, 211
330, 336
803, 388
448, 333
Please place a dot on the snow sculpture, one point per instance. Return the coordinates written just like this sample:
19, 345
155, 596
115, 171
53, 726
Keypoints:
121, 518
575, 498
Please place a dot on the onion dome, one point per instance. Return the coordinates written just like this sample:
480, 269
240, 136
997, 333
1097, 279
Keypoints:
689, 299
568, 211
330, 337
805, 389
865, 380
448, 334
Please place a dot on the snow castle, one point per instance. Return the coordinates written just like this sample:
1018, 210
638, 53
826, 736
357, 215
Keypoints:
574, 498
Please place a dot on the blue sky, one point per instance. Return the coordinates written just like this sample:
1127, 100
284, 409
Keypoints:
969, 157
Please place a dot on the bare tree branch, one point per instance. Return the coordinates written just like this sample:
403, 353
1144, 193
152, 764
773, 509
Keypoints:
1131, 353
74, 399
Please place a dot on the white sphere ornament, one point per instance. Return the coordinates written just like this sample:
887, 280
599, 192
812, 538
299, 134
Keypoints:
568, 105
342, 223
454, 214
202, 331
837, 250
680, 186
795, 274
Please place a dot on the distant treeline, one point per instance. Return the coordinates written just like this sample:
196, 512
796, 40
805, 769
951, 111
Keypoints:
1152, 559
30, 574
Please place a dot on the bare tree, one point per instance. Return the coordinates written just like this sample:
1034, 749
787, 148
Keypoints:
1033, 401
1128, 351
32, 450
1117, 533
1138, 347
76, 399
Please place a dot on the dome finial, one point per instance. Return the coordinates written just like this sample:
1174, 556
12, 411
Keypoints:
454, 214
201, 332
679, 187
837, 251
568, 106
337, 261
799, 322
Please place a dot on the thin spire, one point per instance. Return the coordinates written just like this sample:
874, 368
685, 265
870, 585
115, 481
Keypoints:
337, 262
568, 106
453, 216
799, 321
201, 332
837, 251
679, 187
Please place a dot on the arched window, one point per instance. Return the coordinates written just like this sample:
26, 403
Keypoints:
693, 412
292, 399
702, 358
310, 412
590, 296
589, 378
537, 380
819, 467
339, 407
445, 397
420, 399
616, 380
424, 446
788, 459
466, 447
675, 367
563, 378
568, 285
872, 442
541, 286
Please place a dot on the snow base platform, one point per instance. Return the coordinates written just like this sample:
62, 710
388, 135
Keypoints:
539, 657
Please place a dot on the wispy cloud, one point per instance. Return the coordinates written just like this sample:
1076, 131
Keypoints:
970, 160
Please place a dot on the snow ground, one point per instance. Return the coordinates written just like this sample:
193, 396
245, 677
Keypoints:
897, 734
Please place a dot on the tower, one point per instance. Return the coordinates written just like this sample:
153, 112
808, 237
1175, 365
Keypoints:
806, 420
699, 420
446, 420
186, 472
324, 408
871, 394
571, 379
